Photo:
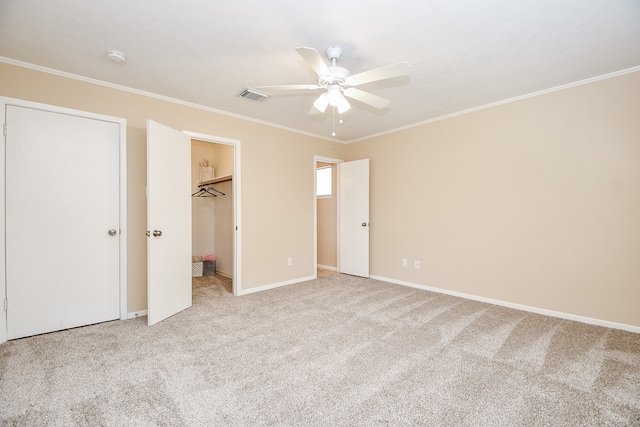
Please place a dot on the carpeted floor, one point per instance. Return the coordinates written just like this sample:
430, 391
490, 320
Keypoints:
336, 351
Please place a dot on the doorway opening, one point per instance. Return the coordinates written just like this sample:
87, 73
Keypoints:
212, 214
325, 171
215, 167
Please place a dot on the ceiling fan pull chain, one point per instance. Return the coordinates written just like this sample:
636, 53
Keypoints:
333, 121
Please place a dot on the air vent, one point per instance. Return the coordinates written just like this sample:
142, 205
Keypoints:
253, 94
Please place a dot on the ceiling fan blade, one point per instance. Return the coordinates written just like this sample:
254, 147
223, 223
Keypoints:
314, 59
314, 111
382, 73
321, 103
289, 87
367, 98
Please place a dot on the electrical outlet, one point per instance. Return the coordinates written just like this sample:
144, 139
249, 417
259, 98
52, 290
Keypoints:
404, 262
416, 264
289, 261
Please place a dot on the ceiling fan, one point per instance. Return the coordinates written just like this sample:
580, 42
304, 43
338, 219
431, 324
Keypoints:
338, 83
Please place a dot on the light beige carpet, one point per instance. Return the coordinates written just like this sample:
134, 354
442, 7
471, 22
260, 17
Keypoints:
337, 351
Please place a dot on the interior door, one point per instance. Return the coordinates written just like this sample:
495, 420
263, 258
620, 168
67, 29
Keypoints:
62, 221
353, 208
168, 222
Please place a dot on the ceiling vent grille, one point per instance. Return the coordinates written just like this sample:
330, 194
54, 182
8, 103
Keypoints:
253, 94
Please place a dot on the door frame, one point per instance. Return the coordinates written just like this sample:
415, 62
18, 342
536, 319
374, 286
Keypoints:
235, 185
4, 102
331, 160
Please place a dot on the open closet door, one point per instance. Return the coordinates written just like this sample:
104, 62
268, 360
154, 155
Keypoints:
353, 212
168, 222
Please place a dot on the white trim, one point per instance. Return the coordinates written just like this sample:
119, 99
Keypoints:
276, 285
122, 123
3, 276
236, 277
504, 101
225, 274
135, 314
155, 96
327, 267
537, 310
262, 122
124, 285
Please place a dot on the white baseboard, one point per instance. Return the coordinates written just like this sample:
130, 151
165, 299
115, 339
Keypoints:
274, 285
225, 274
558, 314
327, 267
140, 313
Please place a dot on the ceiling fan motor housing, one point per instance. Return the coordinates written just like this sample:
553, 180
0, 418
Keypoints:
338, 75
334, 53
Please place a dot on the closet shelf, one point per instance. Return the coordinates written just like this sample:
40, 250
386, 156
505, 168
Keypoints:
215, 180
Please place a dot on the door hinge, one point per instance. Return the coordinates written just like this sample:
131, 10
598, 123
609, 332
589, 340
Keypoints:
4, 129
6, 304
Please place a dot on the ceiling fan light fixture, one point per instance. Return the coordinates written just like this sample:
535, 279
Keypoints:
334, 95
343, 105
322, 102
337, 82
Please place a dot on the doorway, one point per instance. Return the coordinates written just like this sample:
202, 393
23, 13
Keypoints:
212, 172
326, 215
350, 189
169, 215
226, 209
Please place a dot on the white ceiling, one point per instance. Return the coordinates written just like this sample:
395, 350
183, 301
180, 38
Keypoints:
464, 53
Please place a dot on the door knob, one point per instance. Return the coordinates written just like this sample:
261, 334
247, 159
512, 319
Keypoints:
364, 224
157, 233
112, 232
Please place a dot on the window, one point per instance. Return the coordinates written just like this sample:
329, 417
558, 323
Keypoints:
323, 182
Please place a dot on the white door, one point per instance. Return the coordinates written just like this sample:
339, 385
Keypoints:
353, 225
62, 221
168, 222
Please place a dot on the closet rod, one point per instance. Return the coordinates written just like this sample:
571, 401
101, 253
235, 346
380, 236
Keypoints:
216, 180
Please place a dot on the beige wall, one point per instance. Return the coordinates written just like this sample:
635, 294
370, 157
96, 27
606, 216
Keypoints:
535, 202
327, 223
277, 178
223, 155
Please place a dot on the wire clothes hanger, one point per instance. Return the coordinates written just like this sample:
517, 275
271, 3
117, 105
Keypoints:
203, 192
206, 192
211, 187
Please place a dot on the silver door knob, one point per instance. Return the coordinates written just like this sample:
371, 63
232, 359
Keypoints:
364, 224
157, 233
112, 232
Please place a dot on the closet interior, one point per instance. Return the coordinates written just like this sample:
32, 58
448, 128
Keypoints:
212, 208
